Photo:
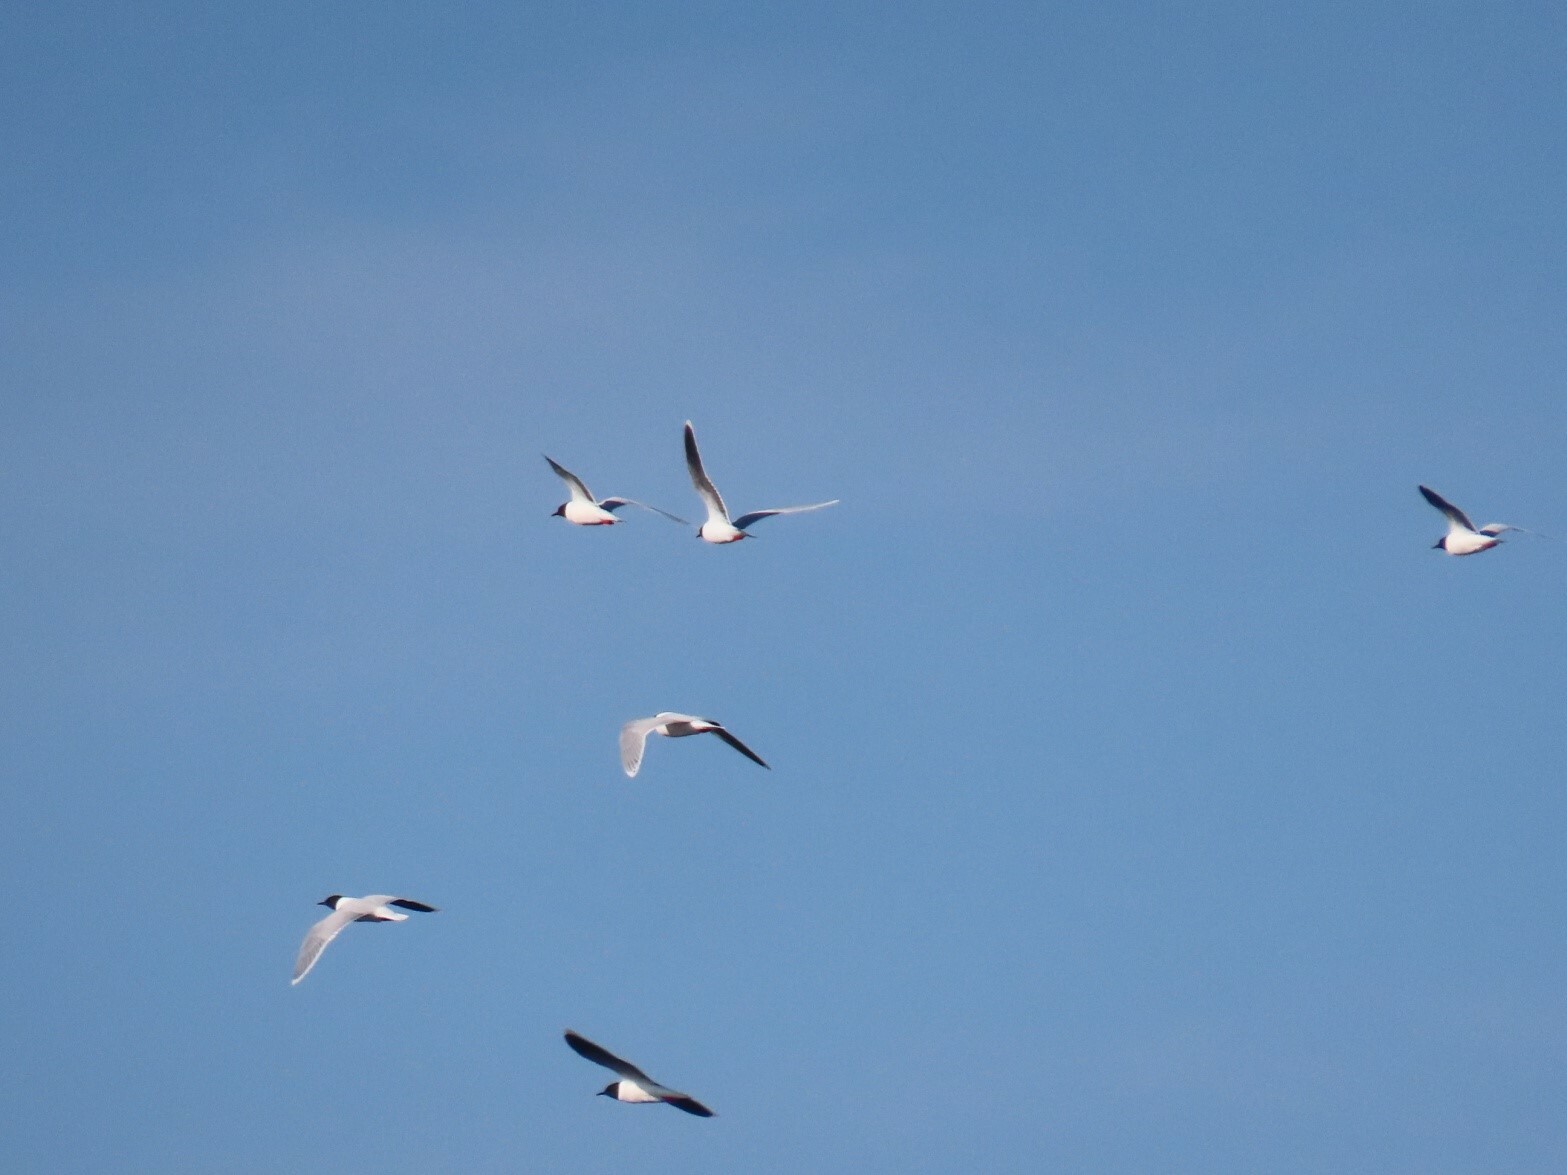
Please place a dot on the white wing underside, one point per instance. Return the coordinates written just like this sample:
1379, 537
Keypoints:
579, 492
746, 520
319, 937
633, 741
613, 504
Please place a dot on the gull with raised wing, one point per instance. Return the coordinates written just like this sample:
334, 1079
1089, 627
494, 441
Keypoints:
584, 510
634, 1085
718, 528
633, 736
1462, 537
374, 908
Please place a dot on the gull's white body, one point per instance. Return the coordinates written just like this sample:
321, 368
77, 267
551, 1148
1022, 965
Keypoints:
1458, 541
584, 513
627, 1090
719, 528
1463, 537
373, 908
583, 509
633, 736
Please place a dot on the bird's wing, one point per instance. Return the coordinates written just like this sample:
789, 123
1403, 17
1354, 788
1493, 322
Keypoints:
322, 933
1455, 516
633, 738
613, 504
738, 745
716, 510
746, 520
1495, 528
584, 1047
579, 492
410, 904
690, 1105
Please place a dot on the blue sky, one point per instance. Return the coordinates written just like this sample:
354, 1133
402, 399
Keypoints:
1147, 795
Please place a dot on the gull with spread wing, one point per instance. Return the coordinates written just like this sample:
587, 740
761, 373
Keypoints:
634, 1085
1462, 537
718, 528
374, 908
633, 736
584, 510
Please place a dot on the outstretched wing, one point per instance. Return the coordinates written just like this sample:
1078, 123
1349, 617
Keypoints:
633, 739
690, 1105
579, 492
716, 510
1454, 514
317, 939
738, 745
746, 520
410, 904
613, 504
584, 1047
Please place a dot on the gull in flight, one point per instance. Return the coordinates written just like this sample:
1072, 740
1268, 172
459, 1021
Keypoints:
1462, 538
718, 528
375, 908
584, 510
633, 736
634, 1085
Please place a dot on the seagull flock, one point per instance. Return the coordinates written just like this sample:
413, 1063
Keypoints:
633, 1086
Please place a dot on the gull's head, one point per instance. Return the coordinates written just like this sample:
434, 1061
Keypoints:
560, 511
331, 901
1439, 545
609, 1090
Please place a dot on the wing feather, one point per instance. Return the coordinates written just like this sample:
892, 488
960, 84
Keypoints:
579, 492
690, 1105
633, 740
746, 520
705, 489
613, 504
1454, 514
318, 938
738, 745
584, 1047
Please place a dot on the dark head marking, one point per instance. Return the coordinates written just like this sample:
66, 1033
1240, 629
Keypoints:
331, 901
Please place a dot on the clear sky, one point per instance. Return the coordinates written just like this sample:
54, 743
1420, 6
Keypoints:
1147, 795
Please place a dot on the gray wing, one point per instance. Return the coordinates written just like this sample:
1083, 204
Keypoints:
1454, 514
633, 739
584, 1047
705, 489
316, 941
738, 745
690, 1105
613, 504
579, 492
746, 520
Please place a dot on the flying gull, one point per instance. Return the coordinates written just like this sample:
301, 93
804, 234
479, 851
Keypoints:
633, 736
375, 908
718, 528
634, 1085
